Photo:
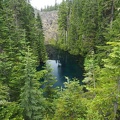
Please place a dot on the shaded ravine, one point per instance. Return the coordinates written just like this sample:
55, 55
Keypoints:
64, 65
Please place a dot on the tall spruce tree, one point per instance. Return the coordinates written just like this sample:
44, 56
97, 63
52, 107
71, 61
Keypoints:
31, 95
63, 23
13, 46
40, 47
50, 92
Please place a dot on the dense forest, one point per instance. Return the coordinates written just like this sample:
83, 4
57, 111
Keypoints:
50, 8
89, 28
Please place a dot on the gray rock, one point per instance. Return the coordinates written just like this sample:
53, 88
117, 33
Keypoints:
50, 26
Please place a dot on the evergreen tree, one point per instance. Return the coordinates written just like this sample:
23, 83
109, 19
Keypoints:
50, 93
14, 38
13, 46
70, 105
31, 95
41, 51
82, 24
91, 69
63, 23
49, 81
106, 99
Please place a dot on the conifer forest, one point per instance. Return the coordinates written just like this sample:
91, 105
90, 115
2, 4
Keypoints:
87, 28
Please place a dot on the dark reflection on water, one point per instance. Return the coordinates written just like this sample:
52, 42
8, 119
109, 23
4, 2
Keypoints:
69, 70
63, 64
57, 72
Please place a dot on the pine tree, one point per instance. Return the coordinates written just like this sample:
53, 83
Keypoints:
8, 109
82, 22
111, 66
41, 51
63, 24
31, 95
70, 105
106, 101
49, 81
17, 31
13, 46
50, 92
90, 71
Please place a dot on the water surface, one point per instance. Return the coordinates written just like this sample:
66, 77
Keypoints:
63, 64
65, 68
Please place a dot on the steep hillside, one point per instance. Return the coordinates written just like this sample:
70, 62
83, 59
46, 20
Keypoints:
50, 26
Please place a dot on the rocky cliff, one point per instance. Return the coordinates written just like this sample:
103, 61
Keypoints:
50, 26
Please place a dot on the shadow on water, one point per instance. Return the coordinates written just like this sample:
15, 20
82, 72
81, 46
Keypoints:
63, 64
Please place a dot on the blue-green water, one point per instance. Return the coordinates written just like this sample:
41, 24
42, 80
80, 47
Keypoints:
67, 65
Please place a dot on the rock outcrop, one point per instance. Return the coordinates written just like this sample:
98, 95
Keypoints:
50, 25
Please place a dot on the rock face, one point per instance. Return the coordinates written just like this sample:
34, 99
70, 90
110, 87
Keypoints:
50, 26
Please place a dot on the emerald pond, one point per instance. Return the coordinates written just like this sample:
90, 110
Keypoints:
64, 65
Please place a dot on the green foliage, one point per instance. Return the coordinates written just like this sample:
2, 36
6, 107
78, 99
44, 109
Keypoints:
89, 28
50, 93
50, 8
49, 81
106, 93
31, 96
40, 47
8, 110
11, 111
3, 94
17, 31
91, 70
82, 24
70, 105
63, 24
63, 16
106, 99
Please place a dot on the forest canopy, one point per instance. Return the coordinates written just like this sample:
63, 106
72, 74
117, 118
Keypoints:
89, 28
